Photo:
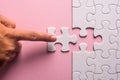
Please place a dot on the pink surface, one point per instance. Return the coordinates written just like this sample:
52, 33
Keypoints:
34, 62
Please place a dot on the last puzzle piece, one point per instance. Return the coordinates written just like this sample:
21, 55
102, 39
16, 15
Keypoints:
63, 39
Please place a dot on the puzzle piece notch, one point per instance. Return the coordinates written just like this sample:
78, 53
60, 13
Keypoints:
63, 39
79, 61
98, 61
105, 75
79, 17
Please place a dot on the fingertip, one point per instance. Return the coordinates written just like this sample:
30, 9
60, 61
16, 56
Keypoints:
53, 38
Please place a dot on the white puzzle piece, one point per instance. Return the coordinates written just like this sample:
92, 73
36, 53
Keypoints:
63, 39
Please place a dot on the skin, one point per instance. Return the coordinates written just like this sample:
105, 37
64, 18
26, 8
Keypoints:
10, 37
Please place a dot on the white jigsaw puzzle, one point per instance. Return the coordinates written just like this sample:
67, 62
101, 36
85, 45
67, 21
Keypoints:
103, 63
107, 24
63, 39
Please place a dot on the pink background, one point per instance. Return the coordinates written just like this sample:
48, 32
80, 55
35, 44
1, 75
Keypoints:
34, 62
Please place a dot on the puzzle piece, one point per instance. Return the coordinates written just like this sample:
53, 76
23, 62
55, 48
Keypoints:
79, 61
63, 39
105, 4
98, 61
79, 17
105, 75
105, 45
99, 17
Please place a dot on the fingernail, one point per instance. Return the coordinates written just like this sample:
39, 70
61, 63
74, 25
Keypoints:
53, 38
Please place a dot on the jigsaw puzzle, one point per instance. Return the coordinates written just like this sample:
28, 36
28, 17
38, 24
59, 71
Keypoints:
103, 63
106, 19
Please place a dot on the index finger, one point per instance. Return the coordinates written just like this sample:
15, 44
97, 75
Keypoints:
31, 36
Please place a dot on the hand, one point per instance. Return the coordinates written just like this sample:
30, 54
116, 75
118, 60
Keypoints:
9, 37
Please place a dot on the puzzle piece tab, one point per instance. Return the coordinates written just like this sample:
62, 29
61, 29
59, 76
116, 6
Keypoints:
63, 39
